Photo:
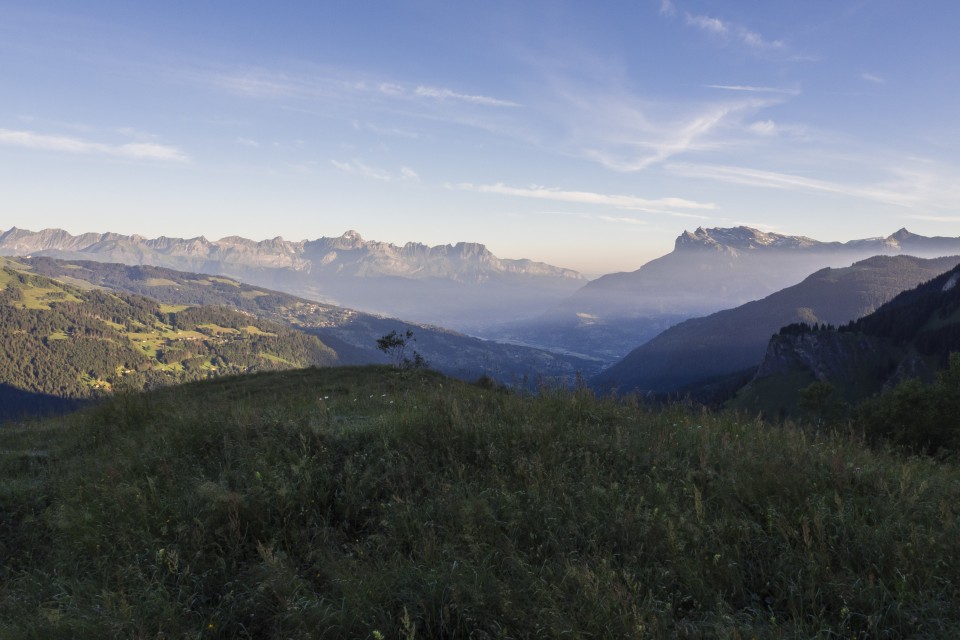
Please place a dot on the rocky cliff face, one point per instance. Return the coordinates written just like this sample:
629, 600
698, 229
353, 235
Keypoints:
828, 355
908, 337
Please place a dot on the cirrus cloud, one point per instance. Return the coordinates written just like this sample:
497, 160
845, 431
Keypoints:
904, 187
539, 192
360, 168
447, 94
725, 30
67, 144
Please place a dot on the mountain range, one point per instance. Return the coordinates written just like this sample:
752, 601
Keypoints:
731, 340
460, 286
707, 271
466, 288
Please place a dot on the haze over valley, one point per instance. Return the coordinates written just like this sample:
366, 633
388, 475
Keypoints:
465, 287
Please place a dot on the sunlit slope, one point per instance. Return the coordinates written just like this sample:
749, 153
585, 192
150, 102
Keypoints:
60, 342
352, 334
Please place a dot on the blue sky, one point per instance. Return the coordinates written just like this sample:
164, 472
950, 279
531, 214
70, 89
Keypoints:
584, 134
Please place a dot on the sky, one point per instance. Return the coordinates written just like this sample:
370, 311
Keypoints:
587, 135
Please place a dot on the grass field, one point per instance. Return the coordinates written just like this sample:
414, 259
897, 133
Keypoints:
172, 308
40, 297
375, 503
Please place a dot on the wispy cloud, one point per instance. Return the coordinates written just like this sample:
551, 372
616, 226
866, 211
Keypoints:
621, 219
145, 151
247, 142
725, 29
447, 94
752, 89
769, 179
667, 8
391, 89
356, 167
270, 84
950, 219
385, 131
764, 127
643, 145
706, 23
66, 144
360, 168
596, 115
257, 83
755, 40
906, 188
873, 78
658, 205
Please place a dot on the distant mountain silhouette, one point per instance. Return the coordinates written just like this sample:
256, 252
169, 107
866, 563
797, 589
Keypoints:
708, 270
728, 341
461, 286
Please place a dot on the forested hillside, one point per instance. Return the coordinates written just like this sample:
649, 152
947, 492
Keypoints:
352, 334
733, 340
60, 343
902, 348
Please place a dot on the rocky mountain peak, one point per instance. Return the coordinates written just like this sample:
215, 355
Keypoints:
901, 235
472, 249
735, 238
349, 240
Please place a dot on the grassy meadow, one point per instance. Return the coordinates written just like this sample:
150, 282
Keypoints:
377, 503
